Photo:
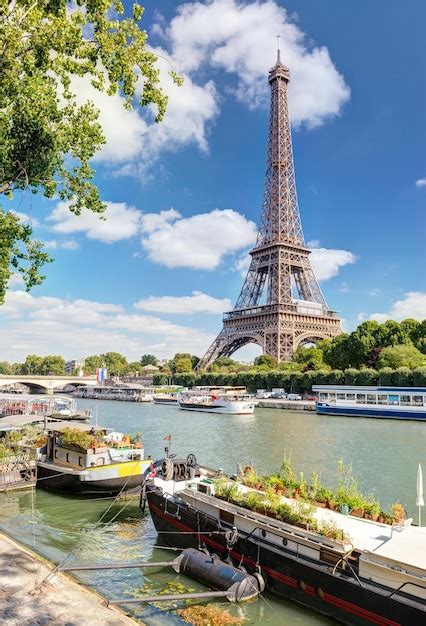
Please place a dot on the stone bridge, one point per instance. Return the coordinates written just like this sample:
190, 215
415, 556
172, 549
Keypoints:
47, 383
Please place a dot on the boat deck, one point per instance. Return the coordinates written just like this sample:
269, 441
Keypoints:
404, 545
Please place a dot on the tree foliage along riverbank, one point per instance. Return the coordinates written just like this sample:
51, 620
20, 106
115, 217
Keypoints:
392, 353
47, 137
300, 382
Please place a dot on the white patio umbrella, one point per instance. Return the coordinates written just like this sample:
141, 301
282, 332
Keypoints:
419, 500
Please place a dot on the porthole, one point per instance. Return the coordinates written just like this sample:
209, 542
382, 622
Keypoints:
285, 542
263, 533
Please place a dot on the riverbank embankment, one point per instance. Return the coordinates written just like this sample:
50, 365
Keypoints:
292, 405
60, 602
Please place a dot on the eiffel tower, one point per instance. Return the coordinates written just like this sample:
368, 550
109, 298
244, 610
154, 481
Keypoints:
267, 312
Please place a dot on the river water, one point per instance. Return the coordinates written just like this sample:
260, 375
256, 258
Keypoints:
383, 453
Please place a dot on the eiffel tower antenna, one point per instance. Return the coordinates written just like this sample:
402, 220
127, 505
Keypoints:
268, 311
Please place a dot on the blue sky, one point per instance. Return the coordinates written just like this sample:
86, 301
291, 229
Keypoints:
184, 197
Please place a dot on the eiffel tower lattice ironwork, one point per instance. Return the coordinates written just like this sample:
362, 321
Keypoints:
266, 312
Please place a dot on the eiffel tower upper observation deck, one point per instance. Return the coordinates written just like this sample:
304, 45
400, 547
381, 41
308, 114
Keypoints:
267, 311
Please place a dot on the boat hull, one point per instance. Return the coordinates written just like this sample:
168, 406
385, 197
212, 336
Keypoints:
239, 408
105, 482
374, 411
309, 585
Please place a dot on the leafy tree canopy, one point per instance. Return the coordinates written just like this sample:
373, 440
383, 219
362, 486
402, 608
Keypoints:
265, 360
46, 138
181, 362
401, 356
149, 359
91, 363
310, 357
115, 363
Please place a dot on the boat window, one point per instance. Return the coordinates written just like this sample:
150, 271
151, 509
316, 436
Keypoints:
56, 454
323, 395
341, 396
80, 461
360, 398
68, 457
371, 398
329, 556
350, 396
418, 400
331, 395
393, 399
406, 400
101, 461
382, 399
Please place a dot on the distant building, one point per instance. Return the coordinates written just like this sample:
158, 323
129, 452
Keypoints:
146, 376
75, 364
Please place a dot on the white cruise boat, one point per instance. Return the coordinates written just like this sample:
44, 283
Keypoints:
227, 400
400, 403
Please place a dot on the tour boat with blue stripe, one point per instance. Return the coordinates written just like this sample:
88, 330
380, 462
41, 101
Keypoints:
401, 403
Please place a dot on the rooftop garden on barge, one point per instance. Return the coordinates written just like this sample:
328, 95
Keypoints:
266, 495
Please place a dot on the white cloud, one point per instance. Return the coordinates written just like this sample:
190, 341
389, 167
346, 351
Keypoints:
123, 128
197, 302
375, 292
198, 242
225, 35
155, 221
26, 218
15, 281
65, 244
46, 325
326, 263
412, 305
421, 182
120, 222
242, 264
240, 39
133, 139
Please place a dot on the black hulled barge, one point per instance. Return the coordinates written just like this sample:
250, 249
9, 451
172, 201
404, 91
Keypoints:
369, 573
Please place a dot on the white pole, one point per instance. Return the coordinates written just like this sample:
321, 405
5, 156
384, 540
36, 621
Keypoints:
419, 494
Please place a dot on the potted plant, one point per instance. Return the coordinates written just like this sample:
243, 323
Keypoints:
398, 512
372, 510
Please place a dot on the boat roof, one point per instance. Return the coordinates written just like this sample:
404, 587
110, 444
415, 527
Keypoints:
369, 388
19, 397
403, 544
17, 422
406, 546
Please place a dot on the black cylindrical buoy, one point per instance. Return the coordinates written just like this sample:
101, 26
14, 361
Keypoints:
217, 574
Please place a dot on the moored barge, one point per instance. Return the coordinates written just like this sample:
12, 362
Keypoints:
90, 463
375, 574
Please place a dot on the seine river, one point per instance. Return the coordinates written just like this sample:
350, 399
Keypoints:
384, 456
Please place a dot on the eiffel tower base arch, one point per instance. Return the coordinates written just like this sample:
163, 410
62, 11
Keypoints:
278, 335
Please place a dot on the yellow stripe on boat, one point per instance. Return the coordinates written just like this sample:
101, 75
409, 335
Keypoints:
125, 468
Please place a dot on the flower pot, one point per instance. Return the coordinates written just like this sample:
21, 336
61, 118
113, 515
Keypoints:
374, 517
321, 505
357, 512
332, 505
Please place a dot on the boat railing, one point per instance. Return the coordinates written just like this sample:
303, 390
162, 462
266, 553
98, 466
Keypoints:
404, 594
